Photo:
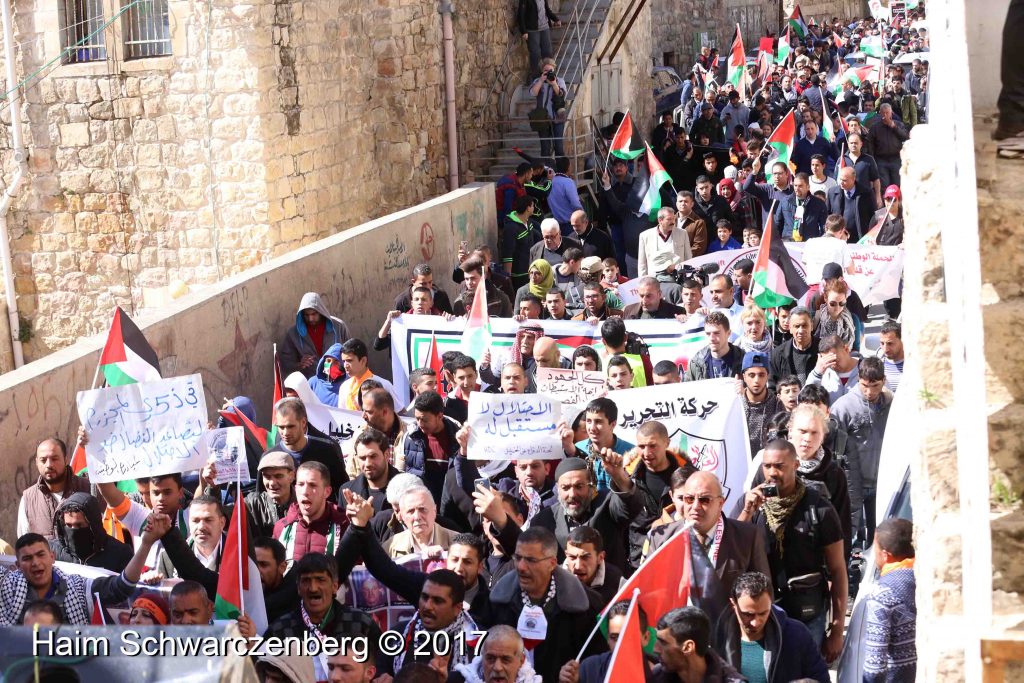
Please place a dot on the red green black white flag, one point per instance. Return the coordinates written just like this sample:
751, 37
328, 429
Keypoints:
776, 281
627, 143
127, 357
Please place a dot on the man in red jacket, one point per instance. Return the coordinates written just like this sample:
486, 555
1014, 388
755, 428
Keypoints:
313, 524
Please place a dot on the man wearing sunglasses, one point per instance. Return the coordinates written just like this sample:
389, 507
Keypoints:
734, 547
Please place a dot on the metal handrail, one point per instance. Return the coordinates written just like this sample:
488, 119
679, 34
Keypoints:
503, 70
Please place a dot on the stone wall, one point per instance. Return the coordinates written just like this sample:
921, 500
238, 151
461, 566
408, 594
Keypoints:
678, 25
226, 331
275, 123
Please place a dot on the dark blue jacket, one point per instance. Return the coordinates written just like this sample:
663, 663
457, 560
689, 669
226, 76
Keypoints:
805, 149
791, 651
416, 458
766, 194
813, 223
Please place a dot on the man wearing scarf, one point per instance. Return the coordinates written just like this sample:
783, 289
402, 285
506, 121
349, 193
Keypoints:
502, 658
804, 543
81, 538
521, 354
438, 609
37, 579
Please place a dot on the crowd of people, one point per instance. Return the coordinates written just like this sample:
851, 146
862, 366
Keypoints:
518, 563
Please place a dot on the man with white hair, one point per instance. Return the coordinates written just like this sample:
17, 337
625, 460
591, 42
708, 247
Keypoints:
553, 245
418, 512
850, 201
502, 658
665, 237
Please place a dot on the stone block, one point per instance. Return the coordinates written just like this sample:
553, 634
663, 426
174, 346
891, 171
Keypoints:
74, 134
128, 107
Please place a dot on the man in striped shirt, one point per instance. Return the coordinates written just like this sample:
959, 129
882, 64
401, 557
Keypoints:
890, 350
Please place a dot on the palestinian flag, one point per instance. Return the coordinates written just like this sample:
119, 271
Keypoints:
272, 435
658, 177
765, 56
78, 464
837, 40
828, 130
781, 142
476, 336
782, 54
873, 46
239, 590
797, 23
776, 281
855, 76
737, 65
627, 661
127, 357
627, 143
663, 579
237, 418
99, 615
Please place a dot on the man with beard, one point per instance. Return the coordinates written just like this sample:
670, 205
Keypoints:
56, 482
291, 422
759, 402
371, 455
801, 545
581, 504
532, 488
319, 613
379, 413
585, 558
81, 538
313, 523
206, 536
273, 495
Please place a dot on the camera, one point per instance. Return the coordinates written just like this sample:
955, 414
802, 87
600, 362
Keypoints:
770, 490
551, 75
701, 275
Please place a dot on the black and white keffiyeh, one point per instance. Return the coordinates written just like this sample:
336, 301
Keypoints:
14, 596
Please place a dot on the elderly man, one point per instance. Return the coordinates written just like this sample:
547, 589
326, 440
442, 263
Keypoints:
550, 608
547, 355
651, 304
733, 547
804, 540
849, 200
666, 237
552, 245
865, 168
502, 658
594, 242
418, 512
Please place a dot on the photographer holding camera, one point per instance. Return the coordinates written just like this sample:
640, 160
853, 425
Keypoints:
550, 91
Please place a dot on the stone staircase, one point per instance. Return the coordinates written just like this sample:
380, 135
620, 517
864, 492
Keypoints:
573, 42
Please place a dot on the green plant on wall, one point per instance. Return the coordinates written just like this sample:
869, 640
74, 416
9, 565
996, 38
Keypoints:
24, 329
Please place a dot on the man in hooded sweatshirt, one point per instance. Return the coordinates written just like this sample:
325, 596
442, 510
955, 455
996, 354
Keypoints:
81, 539
329, 376
315, 330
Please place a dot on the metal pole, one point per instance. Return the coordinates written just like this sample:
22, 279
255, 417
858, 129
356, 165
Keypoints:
449, 93
21, 158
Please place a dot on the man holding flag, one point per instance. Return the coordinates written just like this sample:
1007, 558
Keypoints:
596, 668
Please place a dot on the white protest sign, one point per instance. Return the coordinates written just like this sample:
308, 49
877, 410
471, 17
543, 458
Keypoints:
874, 272
227, 448
337, 423
629, 292
514, 427
571, 386
705, 422
142, 430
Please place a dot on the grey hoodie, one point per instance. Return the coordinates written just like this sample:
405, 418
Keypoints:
865, 426
297, 342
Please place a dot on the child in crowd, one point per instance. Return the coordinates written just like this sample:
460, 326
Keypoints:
612, 276
751, 237
725, 240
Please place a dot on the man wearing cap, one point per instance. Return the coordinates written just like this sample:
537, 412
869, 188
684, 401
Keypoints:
666, 237
708, 124
591, 271
759, 402
274, 492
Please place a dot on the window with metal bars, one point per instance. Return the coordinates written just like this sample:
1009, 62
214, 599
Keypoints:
82, 31
146, 28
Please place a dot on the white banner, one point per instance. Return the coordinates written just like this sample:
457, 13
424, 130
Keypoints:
705, 421
142, 430
227, 448
514, 427
874, 272
337, 423
571, 386
629, 292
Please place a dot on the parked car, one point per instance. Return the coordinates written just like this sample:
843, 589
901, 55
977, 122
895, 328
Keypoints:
667, 88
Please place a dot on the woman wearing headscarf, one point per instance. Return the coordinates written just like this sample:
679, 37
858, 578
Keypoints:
542, 278
742, 205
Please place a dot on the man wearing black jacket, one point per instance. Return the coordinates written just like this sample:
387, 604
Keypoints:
290, 420
535, 27
799, 354
371, 451
80, 537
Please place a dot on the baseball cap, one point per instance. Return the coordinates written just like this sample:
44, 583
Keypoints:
754, 359
276, 459
592, 265
893, 191
831, 271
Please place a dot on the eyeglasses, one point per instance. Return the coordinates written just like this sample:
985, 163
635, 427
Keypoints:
837, 304
703, 500
530, 560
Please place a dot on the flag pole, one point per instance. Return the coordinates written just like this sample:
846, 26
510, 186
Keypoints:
242, 550
629, 613
771, 213
103, 613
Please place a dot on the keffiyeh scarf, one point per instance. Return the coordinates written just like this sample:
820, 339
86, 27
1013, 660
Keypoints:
14, 596
778, 510
463, 624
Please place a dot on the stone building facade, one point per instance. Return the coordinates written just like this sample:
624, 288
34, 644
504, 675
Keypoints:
269, 125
